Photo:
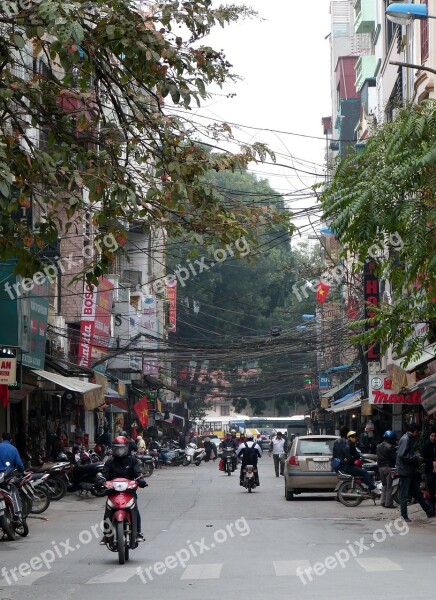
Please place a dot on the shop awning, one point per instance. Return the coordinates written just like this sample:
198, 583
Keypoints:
172, 418
429, 381
352, 402
339, 387
428, 354
89, 391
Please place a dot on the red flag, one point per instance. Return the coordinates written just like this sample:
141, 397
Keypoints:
322, 292
141, 409
4, 395
134, 432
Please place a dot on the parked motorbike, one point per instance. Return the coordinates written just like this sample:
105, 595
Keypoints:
14, 512
58, 477
249, 480
121, 501
85, 478
351, 490
41, 491
193, 454
228, 458
147, 464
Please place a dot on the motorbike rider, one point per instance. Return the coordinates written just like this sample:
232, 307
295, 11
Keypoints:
386, 457
123, 465
10, 458
349, 455
250, 452
227, 442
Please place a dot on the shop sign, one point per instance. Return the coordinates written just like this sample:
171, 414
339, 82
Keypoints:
8, 370
172, 303
381, 392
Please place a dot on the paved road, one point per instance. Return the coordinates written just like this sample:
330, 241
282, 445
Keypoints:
209, 538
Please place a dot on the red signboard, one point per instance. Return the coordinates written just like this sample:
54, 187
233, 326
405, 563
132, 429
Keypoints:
95, 320
87, 323
172, 303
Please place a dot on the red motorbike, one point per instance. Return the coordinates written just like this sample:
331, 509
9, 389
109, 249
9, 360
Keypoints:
121, 503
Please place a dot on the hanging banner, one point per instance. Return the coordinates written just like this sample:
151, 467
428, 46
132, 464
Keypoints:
372, 297
172, 304
141, 409
87, 325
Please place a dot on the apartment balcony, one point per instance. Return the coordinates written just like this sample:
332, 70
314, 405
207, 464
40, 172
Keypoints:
364, 16
364, 69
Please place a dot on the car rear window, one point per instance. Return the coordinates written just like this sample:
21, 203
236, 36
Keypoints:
315, 447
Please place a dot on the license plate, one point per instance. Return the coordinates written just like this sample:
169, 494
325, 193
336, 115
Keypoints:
322, 466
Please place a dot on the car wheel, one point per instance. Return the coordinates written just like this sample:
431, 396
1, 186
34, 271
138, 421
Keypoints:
288, 494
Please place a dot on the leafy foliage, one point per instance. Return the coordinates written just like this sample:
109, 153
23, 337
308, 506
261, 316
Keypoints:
385, 196
85, 128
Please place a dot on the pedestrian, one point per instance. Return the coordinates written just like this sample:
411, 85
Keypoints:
140, 444
278, 447
408, 462
386, 459
209, 448
182, 440
429, 456
9, 456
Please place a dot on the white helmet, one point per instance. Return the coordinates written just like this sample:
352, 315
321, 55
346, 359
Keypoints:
233, 431
249, 435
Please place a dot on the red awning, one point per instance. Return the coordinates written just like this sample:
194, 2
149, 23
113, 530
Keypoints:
118, 402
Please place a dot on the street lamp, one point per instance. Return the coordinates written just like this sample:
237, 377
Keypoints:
404, 14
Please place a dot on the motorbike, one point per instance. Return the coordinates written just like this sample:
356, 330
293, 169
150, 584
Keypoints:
121, 500
249, 479
351, 490
228, 458
15, 504
41, 491
58, 477
193, 454
147, 464
85, 478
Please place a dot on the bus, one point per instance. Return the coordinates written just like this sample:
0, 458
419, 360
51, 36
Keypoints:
291, 426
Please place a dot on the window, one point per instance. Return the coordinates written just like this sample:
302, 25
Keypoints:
225, 411
315, 447
424, 37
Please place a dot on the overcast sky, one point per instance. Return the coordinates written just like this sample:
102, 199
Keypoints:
284, 61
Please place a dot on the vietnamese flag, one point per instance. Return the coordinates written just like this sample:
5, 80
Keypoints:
321, 292
141, 409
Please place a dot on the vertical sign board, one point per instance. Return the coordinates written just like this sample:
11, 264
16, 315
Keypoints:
38, 299
372, 297
172, 304
103, 311
87, 324
150, 327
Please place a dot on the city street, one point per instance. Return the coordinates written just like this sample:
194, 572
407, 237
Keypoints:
206, 537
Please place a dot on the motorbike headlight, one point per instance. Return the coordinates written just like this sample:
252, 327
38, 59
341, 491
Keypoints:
120, 486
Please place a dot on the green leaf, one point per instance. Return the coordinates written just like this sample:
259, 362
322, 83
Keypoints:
19, 41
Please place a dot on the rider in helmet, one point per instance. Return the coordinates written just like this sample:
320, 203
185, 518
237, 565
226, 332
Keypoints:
250, 451
123, 465
348, 456
229, 441
386, 458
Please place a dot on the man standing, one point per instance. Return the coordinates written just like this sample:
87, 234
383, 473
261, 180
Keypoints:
429, 456
9, 456
407, 464
278, 447
386, 458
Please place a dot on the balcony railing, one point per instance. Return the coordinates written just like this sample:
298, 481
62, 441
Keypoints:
364, 16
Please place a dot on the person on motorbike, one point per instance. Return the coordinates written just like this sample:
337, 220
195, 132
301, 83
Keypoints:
227, 442
349, 455
9, 456
386, 457
123, 465
250, 452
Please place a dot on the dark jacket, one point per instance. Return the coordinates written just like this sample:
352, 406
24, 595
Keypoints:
429, 455
407, 459
349, 454
125, 467
338, 447
386, 454
229, 443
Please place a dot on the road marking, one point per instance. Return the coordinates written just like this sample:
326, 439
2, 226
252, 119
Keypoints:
27, 580
285, 568
117, 575
378, 564
211, 571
